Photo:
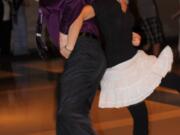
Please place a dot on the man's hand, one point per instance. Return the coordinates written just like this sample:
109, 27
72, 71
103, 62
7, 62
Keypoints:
136, 39
65, 52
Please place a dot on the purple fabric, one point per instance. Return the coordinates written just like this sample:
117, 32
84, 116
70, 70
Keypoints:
59, 15
51, 15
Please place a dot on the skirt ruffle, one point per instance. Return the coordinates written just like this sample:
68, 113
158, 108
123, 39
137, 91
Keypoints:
134, 80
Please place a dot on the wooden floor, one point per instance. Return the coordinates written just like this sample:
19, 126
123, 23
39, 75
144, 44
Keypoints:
27, 103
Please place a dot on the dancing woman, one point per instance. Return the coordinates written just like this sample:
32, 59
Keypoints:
132, 75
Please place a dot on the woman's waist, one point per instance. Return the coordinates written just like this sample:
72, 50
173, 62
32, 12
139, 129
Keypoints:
118, 41
116, 58
117, 48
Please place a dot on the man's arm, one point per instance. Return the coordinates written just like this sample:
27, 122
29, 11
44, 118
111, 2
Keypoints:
73, 27
86, 13
70, 12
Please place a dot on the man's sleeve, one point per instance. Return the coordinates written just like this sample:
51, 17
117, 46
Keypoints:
72, 9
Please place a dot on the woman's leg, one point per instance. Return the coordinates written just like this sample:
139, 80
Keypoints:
140, 117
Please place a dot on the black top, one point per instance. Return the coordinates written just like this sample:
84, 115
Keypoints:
116, 28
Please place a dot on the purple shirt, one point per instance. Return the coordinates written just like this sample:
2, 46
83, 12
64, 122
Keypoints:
59, 15
71, 11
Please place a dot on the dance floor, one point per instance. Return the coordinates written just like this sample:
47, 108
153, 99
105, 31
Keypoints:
27, 103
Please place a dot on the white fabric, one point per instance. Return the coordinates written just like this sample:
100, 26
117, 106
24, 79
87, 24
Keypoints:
133, 81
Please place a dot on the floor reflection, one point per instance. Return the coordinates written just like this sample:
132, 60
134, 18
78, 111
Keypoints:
27, 102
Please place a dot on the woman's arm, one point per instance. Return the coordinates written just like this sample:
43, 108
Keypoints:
74, 30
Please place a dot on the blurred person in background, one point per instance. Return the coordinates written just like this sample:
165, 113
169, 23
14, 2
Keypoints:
5, 27
176, 16
179, 30
1, 11
19, 33
151, 25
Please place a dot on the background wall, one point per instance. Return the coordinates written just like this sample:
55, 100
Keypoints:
166, 9
31, 12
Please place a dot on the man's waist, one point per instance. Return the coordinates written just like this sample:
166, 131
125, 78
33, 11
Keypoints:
90, 28
89, 35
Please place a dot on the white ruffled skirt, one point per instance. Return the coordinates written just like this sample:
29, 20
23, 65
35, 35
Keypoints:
134, 80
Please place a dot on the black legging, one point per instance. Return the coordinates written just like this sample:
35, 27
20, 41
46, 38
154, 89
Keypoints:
140, 118
139, 111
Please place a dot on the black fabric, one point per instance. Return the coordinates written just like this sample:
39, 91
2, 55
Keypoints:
5, 37
17, 4
47, 2
116, 28
1, 11
41, 45
172, 81
77, 87
138, 21
140, 117
153, 30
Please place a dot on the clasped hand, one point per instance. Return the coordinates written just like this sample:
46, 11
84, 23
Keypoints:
136, 39
64, 50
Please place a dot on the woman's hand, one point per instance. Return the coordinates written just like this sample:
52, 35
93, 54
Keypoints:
136, 39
